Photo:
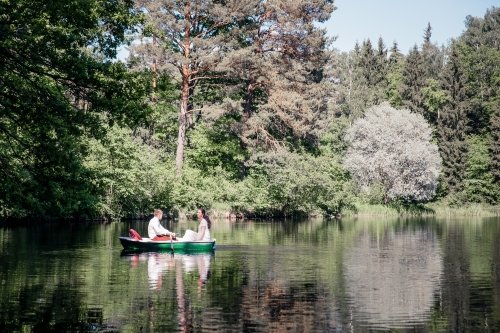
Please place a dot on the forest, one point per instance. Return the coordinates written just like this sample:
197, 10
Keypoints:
240, 107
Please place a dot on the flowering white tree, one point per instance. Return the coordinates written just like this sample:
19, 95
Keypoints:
393, 149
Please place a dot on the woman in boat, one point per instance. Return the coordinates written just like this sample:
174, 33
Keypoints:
203, 233
156, 231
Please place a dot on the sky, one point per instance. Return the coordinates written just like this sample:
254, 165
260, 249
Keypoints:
403, 21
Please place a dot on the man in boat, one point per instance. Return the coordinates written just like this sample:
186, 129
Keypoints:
156, 231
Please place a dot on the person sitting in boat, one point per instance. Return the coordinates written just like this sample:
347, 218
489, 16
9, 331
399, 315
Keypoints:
156, 231
203, 233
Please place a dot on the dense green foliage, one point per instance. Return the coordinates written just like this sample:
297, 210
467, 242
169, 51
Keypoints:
456, 89
470, 82
58, 88
260, 120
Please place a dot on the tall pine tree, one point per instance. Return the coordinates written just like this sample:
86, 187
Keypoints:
281, 72
452, 125
413, 81
188, 40
395, 76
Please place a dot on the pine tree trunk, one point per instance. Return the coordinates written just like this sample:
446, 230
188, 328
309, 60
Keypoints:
186, 75
181, 137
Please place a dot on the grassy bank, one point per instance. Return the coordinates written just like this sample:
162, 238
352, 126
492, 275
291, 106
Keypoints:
223, 210
432, 209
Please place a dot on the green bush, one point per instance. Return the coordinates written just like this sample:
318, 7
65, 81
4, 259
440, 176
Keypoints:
295, 184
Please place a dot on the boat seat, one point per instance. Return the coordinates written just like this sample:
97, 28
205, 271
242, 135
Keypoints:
134, 234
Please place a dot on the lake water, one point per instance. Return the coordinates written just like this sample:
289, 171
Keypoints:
353, 275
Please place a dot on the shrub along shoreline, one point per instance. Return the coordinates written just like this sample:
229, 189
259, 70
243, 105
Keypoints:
437, 210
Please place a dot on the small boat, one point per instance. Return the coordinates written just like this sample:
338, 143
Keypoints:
146, 244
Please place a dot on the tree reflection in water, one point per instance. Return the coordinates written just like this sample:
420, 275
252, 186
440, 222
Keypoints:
393, 278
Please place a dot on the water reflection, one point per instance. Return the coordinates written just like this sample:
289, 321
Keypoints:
167, 273
392, 277
159, 263
414, 275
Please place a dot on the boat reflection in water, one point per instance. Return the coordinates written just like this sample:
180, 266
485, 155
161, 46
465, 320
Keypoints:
159, 263
162, 269
199, 263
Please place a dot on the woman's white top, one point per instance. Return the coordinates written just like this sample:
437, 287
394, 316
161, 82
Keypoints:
191, 236
206, 236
